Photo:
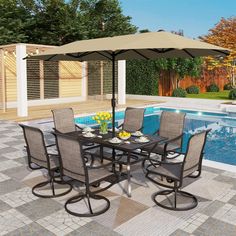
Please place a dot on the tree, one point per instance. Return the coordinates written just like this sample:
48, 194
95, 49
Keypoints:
104, 18
224, 35
54, 22
181, 67
13, 18
59, 22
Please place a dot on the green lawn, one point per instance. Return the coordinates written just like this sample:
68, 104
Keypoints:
211, 95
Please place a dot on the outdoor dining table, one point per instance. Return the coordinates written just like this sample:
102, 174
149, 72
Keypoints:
127, 148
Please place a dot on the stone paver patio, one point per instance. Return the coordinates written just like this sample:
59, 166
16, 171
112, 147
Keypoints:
21, 213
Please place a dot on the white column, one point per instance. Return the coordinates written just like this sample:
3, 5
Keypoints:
84, 80
121, 82
21, 77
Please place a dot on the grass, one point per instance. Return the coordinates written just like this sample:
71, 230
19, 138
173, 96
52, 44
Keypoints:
222, 95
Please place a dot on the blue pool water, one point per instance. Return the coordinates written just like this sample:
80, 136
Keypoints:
221, 142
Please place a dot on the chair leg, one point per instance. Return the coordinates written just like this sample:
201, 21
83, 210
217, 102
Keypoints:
175, 205
89, 196
51, 182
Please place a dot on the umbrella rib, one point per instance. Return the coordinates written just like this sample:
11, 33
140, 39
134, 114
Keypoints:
79, 55
161, 51
225, 53
137, 52
103, 55
54, 55
120, 52
188, 53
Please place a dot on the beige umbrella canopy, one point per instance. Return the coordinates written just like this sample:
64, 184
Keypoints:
136, 46
151, 45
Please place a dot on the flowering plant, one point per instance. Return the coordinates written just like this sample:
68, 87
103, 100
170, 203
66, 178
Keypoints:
102, 118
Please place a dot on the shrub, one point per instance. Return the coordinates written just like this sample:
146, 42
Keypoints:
228, 86
179, 92
213, 88
232, 94
193, 89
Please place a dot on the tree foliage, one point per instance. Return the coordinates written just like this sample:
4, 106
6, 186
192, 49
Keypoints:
58, 22
224, 35
104, 18
12, 22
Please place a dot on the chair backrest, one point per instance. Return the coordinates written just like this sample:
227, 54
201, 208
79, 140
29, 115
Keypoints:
64, 120
194, 154
35, 144
172, 125
70, 151
133, 120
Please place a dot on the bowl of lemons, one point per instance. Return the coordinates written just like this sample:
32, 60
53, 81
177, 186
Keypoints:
124, 135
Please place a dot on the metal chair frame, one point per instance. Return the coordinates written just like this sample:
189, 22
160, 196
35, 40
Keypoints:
51, 171
88, 193
178, 182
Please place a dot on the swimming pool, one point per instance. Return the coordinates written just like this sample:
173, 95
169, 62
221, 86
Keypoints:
221, 142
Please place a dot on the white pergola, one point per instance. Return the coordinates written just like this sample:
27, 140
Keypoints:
21, 52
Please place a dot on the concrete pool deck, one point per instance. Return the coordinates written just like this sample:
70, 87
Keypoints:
21, 213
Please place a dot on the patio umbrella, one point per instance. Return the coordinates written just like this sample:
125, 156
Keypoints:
150, 45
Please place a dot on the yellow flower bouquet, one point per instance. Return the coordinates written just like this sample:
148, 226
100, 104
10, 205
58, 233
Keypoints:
102, 118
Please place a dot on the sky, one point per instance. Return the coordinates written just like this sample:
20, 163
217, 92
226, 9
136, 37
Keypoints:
194, 17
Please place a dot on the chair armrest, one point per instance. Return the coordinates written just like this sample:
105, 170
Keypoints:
170, 141
51, 145
78, 127
156, 132
174, 139
102, 166
119, 126
164, 162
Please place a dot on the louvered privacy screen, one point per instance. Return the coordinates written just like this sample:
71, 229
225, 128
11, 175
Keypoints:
51, 79
33, 79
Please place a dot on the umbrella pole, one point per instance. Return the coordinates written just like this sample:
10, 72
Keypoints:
113, 100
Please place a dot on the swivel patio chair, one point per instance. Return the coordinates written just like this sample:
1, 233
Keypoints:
74, 166
39, 156
171, 127
171, 174
133, 120
64, 123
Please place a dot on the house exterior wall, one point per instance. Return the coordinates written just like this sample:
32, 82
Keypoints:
70, 82
10, 70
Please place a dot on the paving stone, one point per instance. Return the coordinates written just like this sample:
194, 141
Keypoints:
12, 220
61, 223
232, 200
215, 227
5, 165
32, 229
9, 186
225, 179
39, 208
7, 150
212, 208
180, 232
17, 173
4, 206
18, 197
213, 170
93, 229
227, 213
4, 177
